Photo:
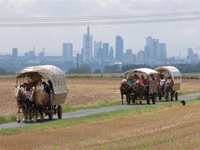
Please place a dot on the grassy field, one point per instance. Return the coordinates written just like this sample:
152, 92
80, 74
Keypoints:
91, 118
163, 126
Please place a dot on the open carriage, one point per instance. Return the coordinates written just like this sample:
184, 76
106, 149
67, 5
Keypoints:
150, 91
174, 74
57, 79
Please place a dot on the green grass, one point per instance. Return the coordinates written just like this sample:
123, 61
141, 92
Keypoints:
104, 104
7, 119
183, 93
94, 75
96, 117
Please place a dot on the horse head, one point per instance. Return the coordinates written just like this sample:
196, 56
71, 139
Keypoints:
19, 93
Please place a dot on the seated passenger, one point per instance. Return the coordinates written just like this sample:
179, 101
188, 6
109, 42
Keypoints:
47, 88
40, 85
50, 84
145, 81
168, 86
130, 79
136, 79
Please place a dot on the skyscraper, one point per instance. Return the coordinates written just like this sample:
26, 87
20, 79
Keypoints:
105, 50
97, 46
140, 57
87, 45
67, 51
14, 53
119, 46
111, 54
154, 51
163, 53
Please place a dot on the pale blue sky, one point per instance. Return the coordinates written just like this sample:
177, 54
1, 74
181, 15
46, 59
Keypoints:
177, 35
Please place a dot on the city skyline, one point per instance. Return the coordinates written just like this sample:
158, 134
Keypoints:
178, 35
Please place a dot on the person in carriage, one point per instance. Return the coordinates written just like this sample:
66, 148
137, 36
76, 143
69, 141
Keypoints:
145, 81
169, 84
130, 80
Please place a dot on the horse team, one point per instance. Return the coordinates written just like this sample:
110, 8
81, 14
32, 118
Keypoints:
31, 99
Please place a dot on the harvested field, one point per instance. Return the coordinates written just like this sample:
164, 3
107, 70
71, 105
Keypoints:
82, 91
170, 128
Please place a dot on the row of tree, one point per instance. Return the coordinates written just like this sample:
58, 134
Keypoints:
86, 69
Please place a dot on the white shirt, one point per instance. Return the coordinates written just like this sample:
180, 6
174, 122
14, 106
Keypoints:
162, 82
40, 87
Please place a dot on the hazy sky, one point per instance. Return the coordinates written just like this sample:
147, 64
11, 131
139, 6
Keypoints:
178, 35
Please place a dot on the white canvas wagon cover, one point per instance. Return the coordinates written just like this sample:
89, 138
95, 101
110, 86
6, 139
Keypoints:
144, 71
173, 71
53, 73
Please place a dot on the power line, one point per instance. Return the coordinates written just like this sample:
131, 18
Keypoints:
100, 20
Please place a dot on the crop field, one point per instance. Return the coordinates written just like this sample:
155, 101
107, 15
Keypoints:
81, 92
163, 126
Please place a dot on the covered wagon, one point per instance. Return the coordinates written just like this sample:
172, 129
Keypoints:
171, 72
150, 75
57, 79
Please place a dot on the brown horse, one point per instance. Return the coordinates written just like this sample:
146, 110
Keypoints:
41, 99
124, 90
22, 103
139, 90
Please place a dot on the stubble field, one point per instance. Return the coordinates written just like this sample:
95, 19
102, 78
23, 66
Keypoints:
81, 91
174, 127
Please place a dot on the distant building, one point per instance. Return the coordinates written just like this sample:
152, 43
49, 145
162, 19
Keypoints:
87, 46
191, 57
42, 54
140, 57
67, 51
163, 53
14, 53
97, 46
111, 54
129, 57
30, 55
105, 51
119, 47
154, 51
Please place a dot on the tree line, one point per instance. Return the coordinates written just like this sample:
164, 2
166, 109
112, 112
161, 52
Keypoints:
6, 72
86, 69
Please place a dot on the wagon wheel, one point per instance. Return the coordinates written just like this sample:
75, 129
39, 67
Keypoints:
50, 113
176, 96
59, 112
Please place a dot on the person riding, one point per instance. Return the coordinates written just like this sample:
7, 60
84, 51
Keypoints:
162, 81
40, 85
47, 88
169, 83
136, 79
145, 81
50, 84
130, 80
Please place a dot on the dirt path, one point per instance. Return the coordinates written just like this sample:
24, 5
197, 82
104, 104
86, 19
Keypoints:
171, 128
81, 92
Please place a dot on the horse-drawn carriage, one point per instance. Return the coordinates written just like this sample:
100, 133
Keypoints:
57, 94
138, 90
173, 75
